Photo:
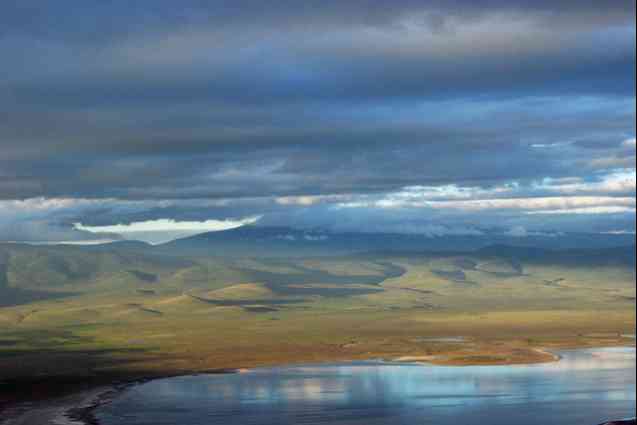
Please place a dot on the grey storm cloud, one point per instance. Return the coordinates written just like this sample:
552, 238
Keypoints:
240, 103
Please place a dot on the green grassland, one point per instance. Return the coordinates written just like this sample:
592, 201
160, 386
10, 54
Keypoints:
76, 312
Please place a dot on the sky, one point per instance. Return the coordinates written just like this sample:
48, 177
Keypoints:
128, 118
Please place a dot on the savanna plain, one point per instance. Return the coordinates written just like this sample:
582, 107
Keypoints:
82, 316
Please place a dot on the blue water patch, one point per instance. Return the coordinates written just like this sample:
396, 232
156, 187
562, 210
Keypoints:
585, 387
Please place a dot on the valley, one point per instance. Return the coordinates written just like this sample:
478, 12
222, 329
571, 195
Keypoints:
119, 311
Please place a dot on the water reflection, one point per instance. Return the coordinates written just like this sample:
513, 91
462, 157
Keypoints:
585, 387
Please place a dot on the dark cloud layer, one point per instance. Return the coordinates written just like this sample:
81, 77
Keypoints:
242, 103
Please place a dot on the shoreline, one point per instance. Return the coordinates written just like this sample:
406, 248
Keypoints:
547, 356
74, 409
78, 407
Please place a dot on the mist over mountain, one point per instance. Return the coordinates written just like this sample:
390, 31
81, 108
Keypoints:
264, 241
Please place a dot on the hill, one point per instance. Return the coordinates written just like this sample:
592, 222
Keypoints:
263, 241
29, 273
234, 299
275, 257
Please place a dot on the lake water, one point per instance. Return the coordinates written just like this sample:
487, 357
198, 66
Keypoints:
585, 387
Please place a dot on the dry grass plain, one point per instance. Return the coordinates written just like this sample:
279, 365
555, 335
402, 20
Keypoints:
214, 315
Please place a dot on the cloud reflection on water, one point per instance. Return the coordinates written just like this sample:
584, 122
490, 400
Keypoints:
585, 385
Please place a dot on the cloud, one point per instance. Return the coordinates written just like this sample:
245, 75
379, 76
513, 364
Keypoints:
432, 113
517, 232
163, 230
298, 200
615, 183
42, 220
88, 220
619, 232
587, 210
616, 189
613, 162
565, 204
169, 225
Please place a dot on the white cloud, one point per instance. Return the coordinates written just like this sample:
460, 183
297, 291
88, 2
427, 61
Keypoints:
608, 193
548, 145
629, 143
517, 231
564, 203
617, 182
315, 237
308, 200
297, 200
539, 203
587, 210
619, 232
612, 189
166, 224
48, 205
163, 230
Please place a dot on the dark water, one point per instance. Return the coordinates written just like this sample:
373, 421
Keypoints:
585, 387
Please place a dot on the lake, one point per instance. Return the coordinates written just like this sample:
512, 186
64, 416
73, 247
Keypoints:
585, 387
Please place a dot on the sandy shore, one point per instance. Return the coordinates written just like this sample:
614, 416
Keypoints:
542, 356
